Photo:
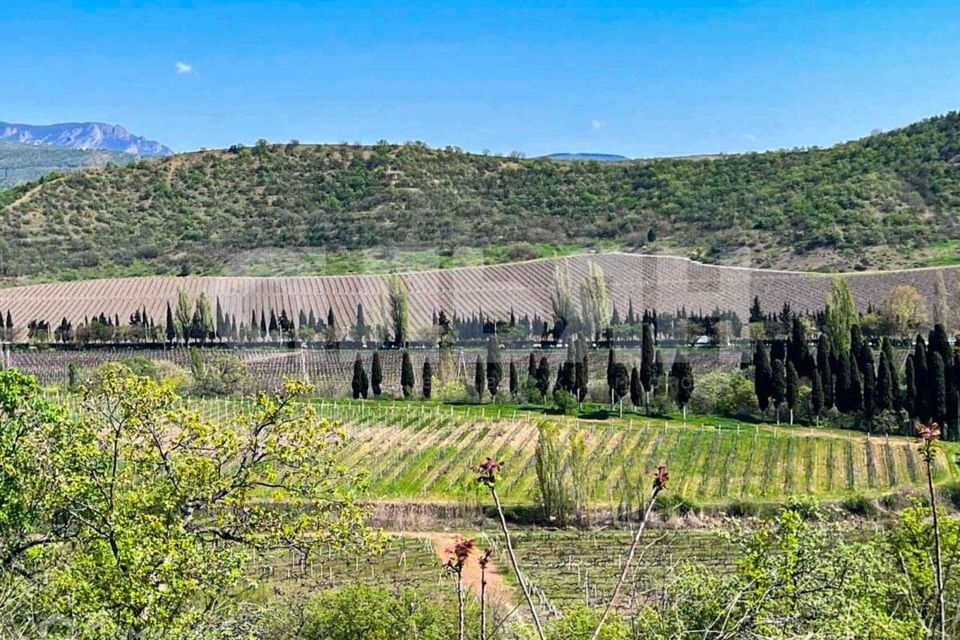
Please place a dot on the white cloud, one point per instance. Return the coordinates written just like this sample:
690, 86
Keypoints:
183, 67
596, 124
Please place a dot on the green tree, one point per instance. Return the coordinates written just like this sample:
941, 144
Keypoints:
543, 377
816, 396
561, 302
73, 377
359, 383
647, 358
921, 382
407, 380
205, 317
158, 516
855, 390
595, 307
184, 317
884, 388
840, 314
869, 383
778, 386
376, 375
792, 390
621, 384
910, 392
171, 328
762, 375
399, 307
514, 380
886, 347
938, 389
427, 378
611, 371
636, 391
479, 378
494, 366
683, 383
825, 370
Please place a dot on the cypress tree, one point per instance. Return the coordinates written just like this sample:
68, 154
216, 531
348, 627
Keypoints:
856, 343
611, 371
543, 377
762, 376
682, 373
778, 351
171, 329
407, 379
263, 324
816, 395
921, 381
376, 375
514, 382
647, 357
869, 383
894, 373
479, 378
357, 381
427, 377
797, 353
532, 366
778, 386
621, 384
938, 389
9, 324
793, 386
823, 369
582, 374
910, 395
494, 367
883, 396
221, 326
635, 391
856, 387
843, 383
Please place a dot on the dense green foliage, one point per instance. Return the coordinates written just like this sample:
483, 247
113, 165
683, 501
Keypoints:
865, 200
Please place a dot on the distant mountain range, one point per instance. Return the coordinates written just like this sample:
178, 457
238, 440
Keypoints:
82, 135
600, 157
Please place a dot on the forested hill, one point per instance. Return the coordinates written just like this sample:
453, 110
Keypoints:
889, 200
21, 163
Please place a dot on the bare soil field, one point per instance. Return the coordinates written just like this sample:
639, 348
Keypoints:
664, 283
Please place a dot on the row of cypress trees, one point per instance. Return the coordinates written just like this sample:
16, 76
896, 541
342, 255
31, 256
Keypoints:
847, 376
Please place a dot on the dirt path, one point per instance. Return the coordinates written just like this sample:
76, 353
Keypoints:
498, 591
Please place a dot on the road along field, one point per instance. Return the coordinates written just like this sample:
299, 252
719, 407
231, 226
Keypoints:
653, 282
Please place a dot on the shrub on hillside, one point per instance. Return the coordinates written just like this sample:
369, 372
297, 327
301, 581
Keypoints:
364, 611
223, 374
727, 393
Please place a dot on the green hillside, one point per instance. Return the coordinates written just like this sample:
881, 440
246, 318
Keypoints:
887, 200
20, 163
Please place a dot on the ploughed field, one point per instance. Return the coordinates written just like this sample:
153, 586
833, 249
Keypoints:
650, 282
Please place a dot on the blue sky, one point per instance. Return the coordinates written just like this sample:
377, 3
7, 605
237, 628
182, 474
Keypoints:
640, 79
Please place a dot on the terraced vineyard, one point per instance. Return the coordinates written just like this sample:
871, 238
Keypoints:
424, 452
650, 282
